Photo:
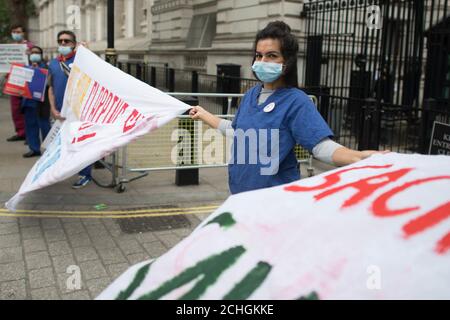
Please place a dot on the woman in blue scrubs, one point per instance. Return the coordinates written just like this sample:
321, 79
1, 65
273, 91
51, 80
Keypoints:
273, 117
37, 114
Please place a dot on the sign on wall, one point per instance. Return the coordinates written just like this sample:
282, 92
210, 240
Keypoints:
440, 139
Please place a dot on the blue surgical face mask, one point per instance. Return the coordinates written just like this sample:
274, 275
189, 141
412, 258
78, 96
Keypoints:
267, 71
64, 50
35, 57
17, 36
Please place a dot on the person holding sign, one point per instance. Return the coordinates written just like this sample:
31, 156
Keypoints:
59, 69
37, 114
18, 37
278, 115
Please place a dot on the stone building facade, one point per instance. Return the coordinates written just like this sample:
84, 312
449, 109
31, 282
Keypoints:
185, 34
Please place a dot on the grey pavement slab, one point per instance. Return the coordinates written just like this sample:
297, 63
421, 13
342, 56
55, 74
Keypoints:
62, 263
33, 245
49, 293
83, 254
38, 260
13, 254
77, 295
12, 271
93, 269
13, 290
42, 278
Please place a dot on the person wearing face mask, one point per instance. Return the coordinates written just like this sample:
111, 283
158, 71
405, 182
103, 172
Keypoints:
59, 70
37, 114
18, 37
286, 114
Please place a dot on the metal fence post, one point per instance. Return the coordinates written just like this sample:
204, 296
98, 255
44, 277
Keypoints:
166, 74
184, 177
426, 124
369, 129
139, 71
153, 76
171, 82
324, 105
194, 81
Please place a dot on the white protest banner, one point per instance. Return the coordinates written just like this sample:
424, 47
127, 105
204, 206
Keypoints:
10, 53
52, 134
378, 229
105, 109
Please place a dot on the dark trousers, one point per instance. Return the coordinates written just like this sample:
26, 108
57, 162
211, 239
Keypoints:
86, 171
35, 126
17, 116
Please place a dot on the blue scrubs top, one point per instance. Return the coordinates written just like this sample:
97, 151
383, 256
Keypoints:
298, 122
59, 80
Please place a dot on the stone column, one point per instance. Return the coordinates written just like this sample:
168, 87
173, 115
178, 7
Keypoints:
129, 18
100, 20
118, 19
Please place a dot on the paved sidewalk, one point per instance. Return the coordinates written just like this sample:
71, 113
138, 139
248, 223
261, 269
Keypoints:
39, 255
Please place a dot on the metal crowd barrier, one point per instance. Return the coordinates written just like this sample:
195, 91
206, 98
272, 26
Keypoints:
154, 152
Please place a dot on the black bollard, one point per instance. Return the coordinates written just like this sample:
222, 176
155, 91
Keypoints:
184, 177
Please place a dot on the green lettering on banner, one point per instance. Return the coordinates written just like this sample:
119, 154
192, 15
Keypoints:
138, 278
250, 283
210, 269
312, 296
225, 220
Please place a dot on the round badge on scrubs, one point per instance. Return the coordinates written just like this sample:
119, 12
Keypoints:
269, 107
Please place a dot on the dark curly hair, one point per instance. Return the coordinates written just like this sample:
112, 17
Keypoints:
289, 47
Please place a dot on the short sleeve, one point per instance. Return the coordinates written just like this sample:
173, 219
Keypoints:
307, 125
50, 69
49, 79
238, 111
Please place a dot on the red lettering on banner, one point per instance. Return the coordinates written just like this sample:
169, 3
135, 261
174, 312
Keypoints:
415, 226
85, 126
100, 105
379, 206
444, 244
113, 112
103, 106
428, 220
94, 103
121, 110
331, 179
100, 101
133, 118
90, 99
111, 108
86, 136
365, 187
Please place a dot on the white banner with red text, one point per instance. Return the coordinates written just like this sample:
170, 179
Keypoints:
105, 109
377, 229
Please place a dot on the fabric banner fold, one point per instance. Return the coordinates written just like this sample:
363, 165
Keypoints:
105, 109
378, 229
